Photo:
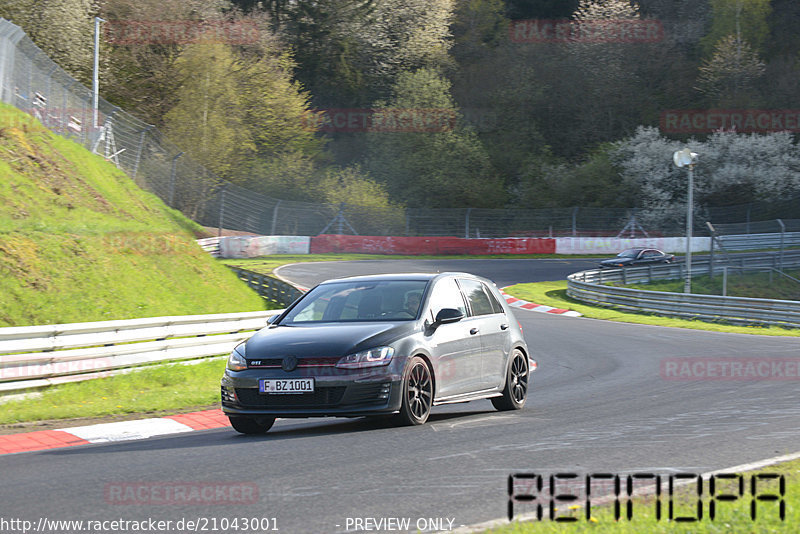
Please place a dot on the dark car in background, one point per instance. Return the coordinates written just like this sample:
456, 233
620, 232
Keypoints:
638, 256
375, 345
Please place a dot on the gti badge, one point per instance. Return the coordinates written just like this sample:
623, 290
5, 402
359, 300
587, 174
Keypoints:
289, 363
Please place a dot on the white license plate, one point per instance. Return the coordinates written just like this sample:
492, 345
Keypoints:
287, 385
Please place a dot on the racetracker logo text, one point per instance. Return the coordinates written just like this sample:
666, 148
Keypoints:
730, 369
181, 493
688, 121
629, 31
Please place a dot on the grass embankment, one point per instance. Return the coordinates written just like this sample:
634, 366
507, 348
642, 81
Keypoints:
756, 285
730, 516
151, 389
79, 241
555, 294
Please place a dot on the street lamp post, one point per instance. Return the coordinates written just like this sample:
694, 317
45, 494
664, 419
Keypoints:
95, 73
686, 158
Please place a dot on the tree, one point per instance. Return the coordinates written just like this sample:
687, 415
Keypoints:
139, 73
731, 169
63, 29
745, 19
324, 37
729, 77
607, 71
445, 166
208, 119
403, 36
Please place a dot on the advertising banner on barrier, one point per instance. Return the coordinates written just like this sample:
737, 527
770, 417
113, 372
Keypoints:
429, 245
254, 246
613, 245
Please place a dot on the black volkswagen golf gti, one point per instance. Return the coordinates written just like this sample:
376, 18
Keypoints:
382, 344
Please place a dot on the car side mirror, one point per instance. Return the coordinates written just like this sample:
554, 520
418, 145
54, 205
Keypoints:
448, 315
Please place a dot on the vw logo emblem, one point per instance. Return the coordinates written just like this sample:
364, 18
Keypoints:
289, 363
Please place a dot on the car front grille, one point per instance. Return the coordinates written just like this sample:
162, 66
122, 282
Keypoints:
321, 397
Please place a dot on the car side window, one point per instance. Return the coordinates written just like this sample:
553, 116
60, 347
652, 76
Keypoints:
478, 300
446, 294
496, 306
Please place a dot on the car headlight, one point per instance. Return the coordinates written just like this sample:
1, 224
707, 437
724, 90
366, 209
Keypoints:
367, 358
236, 361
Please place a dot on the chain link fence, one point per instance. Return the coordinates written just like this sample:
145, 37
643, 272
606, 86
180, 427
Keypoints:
32, 82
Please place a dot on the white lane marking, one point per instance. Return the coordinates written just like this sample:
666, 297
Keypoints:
127, 430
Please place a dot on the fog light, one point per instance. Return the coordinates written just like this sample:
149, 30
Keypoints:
228, 394
384, 391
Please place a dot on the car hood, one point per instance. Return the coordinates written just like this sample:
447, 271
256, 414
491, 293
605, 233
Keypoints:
327, 339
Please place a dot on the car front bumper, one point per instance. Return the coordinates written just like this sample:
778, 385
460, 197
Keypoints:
332, 397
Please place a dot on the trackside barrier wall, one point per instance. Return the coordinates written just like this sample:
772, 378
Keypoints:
322, 244
38, 356
254, 246
613, 245
591, 286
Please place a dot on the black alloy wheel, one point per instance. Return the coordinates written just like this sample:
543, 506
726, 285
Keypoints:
417, 393
516, 389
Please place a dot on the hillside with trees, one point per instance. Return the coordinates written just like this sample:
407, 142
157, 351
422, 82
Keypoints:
532, 122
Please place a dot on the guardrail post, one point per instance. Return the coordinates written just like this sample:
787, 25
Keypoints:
711, 259
625, 276
725, 281
575, 221
783, 232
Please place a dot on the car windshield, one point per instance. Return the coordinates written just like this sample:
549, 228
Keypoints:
384, 300
630, 253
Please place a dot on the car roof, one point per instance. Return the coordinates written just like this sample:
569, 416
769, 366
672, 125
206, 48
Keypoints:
400, 277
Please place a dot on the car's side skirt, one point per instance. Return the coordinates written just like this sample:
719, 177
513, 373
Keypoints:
466, 397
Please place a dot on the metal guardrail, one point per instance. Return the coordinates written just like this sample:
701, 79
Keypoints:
760, 241
270, 288
589, 286
39, 356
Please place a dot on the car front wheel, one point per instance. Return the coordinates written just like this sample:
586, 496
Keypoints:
417, 394
516, 390
250, 425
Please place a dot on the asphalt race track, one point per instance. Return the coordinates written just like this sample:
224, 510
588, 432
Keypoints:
599, 403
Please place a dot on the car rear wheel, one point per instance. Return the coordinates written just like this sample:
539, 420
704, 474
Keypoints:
417, 394
516, 390
251, 425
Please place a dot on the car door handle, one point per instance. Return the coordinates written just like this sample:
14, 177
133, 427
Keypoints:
503, 327
473, 331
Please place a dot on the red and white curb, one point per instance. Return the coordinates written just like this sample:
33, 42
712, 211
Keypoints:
525, 305
112, 432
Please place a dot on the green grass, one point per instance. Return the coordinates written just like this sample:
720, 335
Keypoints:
152, 389
555, 294
731, 517
80, 241
756, 285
